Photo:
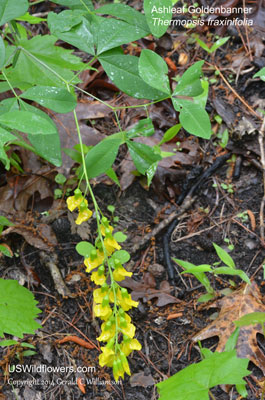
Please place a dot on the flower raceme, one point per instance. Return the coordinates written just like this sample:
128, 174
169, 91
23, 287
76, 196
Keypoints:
104, 260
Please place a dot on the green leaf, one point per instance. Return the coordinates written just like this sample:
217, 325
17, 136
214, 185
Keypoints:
123, 71
224, 256
202, 44
251, 319
232, 341
170, 133
144, 127
101, 157
206, 297
76, 4
158, 21
112, 175
142, 155
120, 237
220, 42
2, 52
153, 70
260, 74
73, 28
10, 9
28, 353
127, 14
30, 18
110, 33
198, 275
5, 251
5, 343
190, 84
5, 137
197, 268
5, 222
122, 255
47, 145
195, 120
28, 122
84, 249
195, 381
232, 271
17, 309
29, 70
150, 173
29, 345
54, 98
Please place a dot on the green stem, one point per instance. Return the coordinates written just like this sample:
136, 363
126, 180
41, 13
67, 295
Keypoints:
9, 84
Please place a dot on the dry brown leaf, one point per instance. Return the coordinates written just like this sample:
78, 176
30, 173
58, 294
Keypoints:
146, 290
243, 301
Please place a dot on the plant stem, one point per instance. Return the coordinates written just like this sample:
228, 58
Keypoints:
211, 395
9, 84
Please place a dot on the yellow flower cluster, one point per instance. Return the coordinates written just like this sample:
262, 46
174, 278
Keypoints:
79, 202
111, 301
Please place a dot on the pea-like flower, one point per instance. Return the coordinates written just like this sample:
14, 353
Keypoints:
125, 300
106, 357
103, 312
74, 201
108, 330
120, 273
94, 260
98, 276
83, 215
128, 345
111, 245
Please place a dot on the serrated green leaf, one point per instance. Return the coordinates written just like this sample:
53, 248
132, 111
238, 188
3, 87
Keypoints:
224, 256
123, 71
29, 70
260, 74
122, 255
153, 70
195, 381
127, 14
142, 155
2, 52
144, 127
152, 14
84, 248
195, 120
251, 319
10, 9
101, 157
54, 98
73, 28
190, 84
17, 309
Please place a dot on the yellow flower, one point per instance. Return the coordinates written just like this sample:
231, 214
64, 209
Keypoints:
108, 331
128, 330
120, 273
102, 312
125, 300
83, 216
103, 229
99, 295
92, 264
106, 357
99, 279
127, 346
73, 202
125, 364
111, 245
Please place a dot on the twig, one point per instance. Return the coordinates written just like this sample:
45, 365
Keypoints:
262, 160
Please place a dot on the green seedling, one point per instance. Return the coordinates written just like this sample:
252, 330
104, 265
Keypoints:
4, 222
229, 244
219, 42
199, 271
228, 187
